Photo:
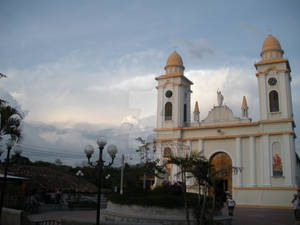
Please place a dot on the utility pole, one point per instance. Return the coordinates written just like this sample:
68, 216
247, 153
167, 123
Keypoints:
122, 174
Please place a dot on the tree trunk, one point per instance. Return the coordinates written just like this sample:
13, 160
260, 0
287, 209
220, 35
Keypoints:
203, 205
144, 181
198, 206
186, 208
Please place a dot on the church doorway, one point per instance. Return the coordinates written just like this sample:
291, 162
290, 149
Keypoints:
219, 161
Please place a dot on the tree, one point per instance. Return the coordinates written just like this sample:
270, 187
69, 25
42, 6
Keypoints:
11, 119
2, 75
207, 177
201, 171
150, 167
58, 162
187, 165
144, 151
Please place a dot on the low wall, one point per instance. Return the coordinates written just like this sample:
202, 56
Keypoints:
143, 210
11, 216
85, 222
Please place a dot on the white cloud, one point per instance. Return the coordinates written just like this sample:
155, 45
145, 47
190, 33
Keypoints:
60, 91
234, 83
196, 49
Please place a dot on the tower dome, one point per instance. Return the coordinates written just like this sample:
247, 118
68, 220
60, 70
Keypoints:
174, 64
271, 48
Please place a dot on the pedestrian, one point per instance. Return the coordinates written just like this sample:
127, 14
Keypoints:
230, 203
295, 202
58, 195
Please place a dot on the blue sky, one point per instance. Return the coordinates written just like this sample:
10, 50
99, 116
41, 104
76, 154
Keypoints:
80, 67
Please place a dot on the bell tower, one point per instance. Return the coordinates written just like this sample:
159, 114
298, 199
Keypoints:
173, 95
273, 76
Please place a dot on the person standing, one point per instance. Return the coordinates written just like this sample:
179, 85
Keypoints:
295, 203
58, 195
230, 203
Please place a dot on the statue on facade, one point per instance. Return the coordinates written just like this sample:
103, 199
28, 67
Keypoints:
220, 98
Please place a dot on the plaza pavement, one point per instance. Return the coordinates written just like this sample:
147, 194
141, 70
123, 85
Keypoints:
242, 216
260, 216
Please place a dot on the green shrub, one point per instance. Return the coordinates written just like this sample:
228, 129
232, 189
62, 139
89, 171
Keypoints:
158, 197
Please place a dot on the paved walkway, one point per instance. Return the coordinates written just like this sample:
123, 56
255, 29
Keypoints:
242, 216
254, 216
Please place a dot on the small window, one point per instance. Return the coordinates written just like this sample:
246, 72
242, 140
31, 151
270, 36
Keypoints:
274, 101
168, 111
273, 55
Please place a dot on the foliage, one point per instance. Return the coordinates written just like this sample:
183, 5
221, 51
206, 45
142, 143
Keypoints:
143, 149
158, 197
19, 159
58, 162
175, 188
187, 164
11, 119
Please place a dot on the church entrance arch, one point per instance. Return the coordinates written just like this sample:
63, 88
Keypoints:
219, 161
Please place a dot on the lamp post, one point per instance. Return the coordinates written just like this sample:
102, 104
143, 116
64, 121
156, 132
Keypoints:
9, 144
1, 149
112, 151
79, 174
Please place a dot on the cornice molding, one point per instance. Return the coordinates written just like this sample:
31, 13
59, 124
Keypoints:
229, 125
223, 136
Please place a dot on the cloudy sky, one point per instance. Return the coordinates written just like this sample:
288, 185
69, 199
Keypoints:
80, 69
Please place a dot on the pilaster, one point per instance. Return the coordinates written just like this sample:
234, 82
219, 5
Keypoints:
252, 161
239, 180
266, 160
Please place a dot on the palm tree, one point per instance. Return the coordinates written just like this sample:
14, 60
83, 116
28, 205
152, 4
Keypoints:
10, 121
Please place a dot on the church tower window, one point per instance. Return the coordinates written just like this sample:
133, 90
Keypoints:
168, 111
274, 102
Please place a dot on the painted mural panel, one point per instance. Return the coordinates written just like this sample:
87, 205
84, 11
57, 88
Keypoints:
277, 162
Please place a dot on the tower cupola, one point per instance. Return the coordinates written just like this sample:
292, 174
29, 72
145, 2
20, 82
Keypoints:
174, 64
271, 48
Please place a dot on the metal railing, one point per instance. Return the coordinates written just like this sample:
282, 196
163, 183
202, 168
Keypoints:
46, 222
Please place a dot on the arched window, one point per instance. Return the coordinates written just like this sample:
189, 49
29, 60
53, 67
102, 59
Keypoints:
168, 111
274, 101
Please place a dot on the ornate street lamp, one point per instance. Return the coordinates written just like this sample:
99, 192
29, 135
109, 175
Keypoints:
9, 144
112, 151
89, 151
18, 150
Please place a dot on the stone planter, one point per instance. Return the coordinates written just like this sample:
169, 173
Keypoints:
139, 214
144, 210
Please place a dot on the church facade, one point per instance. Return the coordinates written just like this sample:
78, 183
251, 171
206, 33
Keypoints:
264, 149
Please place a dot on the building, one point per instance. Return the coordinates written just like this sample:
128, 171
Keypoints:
265, 149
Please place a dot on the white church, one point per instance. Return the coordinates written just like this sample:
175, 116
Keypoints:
264, 149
